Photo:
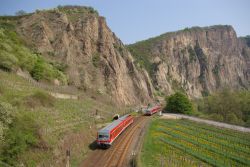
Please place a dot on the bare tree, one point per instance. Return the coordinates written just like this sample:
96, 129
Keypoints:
21, 13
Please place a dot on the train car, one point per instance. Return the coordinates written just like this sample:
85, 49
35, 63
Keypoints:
108, 134
152, 110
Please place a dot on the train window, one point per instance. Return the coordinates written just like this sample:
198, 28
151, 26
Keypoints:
103, 136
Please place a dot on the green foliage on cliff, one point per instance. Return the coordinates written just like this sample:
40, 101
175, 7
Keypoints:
96, 60
14, 54
76, 9
141, 53
75, 12
179, 103
45, 71
192, 54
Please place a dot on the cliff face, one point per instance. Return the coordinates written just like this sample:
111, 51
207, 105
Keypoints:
196, 60
79, 39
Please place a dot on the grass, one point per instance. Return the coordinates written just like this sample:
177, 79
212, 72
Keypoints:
55, 120
186, 143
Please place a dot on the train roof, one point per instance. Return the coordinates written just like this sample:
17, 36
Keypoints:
153, 107
112, 125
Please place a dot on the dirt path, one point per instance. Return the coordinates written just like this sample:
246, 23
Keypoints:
122, 150
218, 124
63, 95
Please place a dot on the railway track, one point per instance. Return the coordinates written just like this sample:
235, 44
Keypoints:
118, 154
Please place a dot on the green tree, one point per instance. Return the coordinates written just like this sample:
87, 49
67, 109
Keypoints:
179, 103
227, 106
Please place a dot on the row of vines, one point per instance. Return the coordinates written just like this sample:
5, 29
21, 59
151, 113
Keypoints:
186, 143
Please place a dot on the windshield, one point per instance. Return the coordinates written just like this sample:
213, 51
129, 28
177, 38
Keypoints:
100, 136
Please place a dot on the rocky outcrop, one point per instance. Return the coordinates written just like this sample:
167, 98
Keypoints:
197, 60
79, 39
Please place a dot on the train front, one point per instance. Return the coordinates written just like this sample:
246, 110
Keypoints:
147, 112
103, 139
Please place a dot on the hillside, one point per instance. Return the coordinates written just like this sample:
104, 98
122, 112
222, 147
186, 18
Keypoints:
63, 74
196, 60
44, 126
91, 55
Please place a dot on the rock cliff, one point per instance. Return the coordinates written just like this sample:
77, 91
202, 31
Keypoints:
196, 60
80, 40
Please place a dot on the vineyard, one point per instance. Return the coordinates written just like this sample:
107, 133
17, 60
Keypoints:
186, 143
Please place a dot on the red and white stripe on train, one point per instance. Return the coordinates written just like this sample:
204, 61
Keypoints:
152, 110
108, 134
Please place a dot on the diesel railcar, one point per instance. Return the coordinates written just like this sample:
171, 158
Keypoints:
152, 110
107, 135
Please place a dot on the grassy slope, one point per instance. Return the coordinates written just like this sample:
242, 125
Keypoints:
57, 122
185, 143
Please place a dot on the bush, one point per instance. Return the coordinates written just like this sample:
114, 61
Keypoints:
6, 112
45, 71
96, 59
6, 116
192, 54
179, 103
21, 136
38, 70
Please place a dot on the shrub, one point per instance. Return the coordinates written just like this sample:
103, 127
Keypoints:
38, 70
45, 71
60, 66
26, 59
6, 112
21, 136
96, 59
179, 103
6, 116
192, 54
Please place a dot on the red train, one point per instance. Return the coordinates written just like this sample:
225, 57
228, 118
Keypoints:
108, 134
152, 110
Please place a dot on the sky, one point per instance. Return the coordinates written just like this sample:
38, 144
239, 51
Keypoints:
135, 20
